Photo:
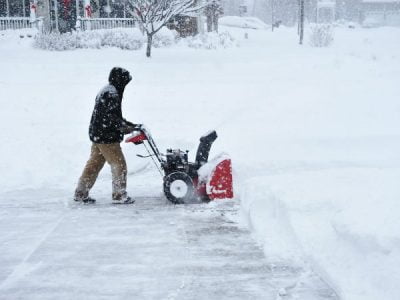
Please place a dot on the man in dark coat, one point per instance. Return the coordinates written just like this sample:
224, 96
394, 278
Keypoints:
106, 131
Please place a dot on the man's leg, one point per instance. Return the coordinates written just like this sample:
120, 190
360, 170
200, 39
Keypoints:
115, 158
90, 173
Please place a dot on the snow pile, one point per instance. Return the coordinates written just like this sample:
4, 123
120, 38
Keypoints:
211, 40
243, 22
10, 35
21, 37
344, 222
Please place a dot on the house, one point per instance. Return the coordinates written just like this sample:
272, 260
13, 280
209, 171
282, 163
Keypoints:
380, 13
185, 25
67, 15
64, 15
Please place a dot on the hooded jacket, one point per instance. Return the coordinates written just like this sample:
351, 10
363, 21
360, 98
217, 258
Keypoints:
107, 125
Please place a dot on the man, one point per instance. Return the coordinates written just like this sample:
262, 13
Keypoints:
106, 131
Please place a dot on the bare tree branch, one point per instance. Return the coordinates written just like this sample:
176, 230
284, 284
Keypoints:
152, 15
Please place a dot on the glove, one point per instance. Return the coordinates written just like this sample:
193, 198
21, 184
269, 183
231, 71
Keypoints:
138, 126
129, 127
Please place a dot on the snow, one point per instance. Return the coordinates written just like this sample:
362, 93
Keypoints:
206, 170
243, 22
326, 4
380, 1
338, 221
313, 134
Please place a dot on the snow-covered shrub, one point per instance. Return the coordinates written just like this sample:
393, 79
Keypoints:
321, 35
55, 41
89, 39
211, 40
164, 37
226, 40
130, 39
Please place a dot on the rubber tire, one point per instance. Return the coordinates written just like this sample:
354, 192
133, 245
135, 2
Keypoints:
169, 179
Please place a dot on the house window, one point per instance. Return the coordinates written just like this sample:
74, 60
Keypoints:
14, 8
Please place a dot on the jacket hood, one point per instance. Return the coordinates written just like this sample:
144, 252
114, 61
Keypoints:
119, 77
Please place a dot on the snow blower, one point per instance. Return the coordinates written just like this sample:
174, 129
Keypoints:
185, 181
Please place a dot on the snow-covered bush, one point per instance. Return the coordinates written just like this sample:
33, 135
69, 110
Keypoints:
130, 39
321, 35
211, 40
164, 37
55, 41
89, 39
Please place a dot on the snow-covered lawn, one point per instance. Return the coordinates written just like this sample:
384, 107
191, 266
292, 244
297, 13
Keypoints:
313, 135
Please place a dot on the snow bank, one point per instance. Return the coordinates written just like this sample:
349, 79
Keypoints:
344, 222
19, 38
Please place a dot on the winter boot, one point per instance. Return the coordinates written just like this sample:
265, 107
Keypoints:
123, 200
87, 200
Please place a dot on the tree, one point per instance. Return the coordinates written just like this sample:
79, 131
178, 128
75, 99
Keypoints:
153, 15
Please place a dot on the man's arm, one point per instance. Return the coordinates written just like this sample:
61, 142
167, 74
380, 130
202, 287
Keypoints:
128, 127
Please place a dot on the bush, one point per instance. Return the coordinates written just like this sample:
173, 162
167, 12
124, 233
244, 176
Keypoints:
164, 38
129, 39
123, 39
89, 39
55, 41
321, 35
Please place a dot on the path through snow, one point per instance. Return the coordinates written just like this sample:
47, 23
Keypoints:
52, 249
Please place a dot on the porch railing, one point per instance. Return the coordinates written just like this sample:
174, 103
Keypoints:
20, 23
104, 23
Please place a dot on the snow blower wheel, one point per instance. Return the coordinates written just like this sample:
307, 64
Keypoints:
178, 188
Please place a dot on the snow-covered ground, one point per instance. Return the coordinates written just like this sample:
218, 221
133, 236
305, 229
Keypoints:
313, 135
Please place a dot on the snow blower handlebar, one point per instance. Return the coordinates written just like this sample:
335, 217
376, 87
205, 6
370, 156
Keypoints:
141, 134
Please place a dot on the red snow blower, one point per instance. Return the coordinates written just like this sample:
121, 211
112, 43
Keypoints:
186, 181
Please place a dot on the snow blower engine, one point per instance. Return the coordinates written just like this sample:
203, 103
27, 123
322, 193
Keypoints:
185, 181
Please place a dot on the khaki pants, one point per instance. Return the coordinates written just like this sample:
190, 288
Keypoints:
101, 153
